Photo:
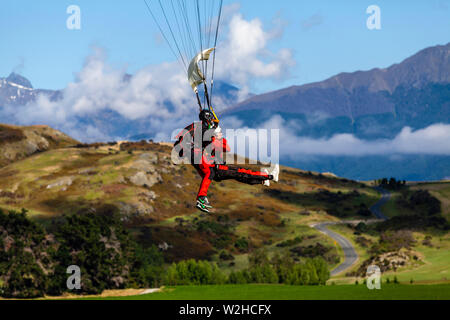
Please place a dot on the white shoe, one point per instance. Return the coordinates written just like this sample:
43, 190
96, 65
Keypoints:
275, 172
266, 182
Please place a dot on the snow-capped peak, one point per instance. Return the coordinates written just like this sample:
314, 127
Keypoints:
19, 81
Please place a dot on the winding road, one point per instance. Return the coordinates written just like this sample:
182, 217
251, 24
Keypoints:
350, 254
376, 208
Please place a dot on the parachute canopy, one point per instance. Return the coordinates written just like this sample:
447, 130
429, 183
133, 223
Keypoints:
195, 75
190, 27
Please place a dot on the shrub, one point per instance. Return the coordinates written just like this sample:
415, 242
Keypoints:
424, 203
192, 272
222, 242
311, 251
263, 274
226, 256
427, 241
241, 244
290, 243
393, 241
237, 278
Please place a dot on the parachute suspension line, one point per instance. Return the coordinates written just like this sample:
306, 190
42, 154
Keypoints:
199, 101
178, 21
199, 23
215, 46
173, 36
188, 27
181, 32
161, 30
191, 40
187, 32
207, 95
211, 15
208, 41
206, 46
203, 62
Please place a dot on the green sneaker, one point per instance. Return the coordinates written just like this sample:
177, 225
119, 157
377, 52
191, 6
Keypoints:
206, 202
202, 207
203, 204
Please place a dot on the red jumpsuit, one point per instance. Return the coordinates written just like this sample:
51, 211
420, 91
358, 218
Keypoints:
209, 170
211, 167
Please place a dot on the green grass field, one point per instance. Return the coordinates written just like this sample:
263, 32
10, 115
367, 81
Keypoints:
282, 292
435, 268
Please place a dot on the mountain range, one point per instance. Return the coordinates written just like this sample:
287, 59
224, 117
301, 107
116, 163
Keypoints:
337, 96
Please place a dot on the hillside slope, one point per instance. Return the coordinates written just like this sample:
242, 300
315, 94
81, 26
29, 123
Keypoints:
17, 142
156, 200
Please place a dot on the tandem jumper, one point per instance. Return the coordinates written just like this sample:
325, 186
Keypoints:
206, 155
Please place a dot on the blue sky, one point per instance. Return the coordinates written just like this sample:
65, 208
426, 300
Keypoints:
37, 43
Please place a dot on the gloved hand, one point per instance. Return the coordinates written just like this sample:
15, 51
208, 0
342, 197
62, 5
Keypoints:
218, 133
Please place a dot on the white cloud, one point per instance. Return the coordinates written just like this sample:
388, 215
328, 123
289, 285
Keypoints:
159, 94
244, 54
99, 88
433, 140
232, 122
317, 117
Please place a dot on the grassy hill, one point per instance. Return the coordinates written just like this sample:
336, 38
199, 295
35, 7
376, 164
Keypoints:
156, 199
17, 142
156, 202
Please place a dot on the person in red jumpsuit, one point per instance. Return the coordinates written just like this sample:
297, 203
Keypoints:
204, 145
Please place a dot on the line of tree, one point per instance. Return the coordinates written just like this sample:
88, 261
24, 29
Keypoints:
391, 184
34, 260
279, 269
282, 269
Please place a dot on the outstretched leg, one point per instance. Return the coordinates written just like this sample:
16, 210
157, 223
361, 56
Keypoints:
242, 175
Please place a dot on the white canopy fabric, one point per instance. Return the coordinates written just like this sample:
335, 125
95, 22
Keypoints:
195, 75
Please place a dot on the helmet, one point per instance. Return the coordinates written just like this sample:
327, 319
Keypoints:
208, 118
206, 115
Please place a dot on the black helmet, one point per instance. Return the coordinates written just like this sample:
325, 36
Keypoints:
208, 118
